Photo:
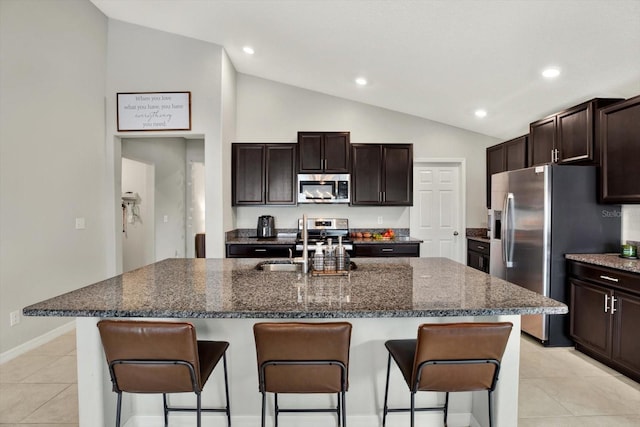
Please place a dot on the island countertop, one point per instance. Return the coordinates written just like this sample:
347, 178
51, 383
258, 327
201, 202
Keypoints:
233, 288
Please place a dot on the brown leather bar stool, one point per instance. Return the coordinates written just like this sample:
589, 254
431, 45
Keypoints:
449, 357
161, 357
303, 358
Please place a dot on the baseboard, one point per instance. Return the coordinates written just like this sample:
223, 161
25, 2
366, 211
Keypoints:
37, 342
455, 420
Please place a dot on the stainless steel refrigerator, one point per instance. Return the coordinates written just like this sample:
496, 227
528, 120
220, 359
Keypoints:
538, 215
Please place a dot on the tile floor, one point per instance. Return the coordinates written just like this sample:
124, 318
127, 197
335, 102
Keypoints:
559, 387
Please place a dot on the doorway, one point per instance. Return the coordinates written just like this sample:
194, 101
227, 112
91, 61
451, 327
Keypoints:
437, 214
174, 205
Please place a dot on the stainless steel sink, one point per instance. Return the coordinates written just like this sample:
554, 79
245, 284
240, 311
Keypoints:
278, 265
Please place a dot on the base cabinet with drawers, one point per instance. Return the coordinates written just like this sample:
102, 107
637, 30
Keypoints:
240, 250
390, 250
604, 314
478, 255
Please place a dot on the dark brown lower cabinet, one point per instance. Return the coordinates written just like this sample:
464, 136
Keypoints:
604, 309
390, 250
478, 255
241, 250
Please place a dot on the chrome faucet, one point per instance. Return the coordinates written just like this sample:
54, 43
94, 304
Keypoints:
304, 260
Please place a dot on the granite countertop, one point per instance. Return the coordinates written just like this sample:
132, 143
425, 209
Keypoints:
245, 240
233, 288
399, 240
608, 260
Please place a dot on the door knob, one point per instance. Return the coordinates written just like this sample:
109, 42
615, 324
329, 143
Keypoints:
455, 233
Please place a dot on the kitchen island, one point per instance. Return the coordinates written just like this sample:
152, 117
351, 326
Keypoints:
382, 298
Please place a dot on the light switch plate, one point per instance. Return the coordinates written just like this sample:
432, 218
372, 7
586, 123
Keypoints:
80, 224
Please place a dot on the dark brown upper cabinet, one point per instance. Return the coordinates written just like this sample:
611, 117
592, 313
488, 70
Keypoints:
382, 174
569, 136
324, 152
620, 139
507, 156
263, 174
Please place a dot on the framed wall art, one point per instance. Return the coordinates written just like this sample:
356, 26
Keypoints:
154, 111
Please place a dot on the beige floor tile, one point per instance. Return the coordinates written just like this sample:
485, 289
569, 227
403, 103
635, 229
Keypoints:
60, 346
17, 401
588, 396
62, 371
533, 401
21, 367
567, 362
63, 408
599, 421
38, 425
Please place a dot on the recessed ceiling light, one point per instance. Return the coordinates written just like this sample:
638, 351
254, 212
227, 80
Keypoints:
248, 50
361, 81
551, 72
481, 113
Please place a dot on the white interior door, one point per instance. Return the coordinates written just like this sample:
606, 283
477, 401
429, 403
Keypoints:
437, 214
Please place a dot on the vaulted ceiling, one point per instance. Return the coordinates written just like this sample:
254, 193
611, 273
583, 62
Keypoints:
436, 59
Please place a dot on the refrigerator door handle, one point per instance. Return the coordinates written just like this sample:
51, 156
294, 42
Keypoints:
507, 230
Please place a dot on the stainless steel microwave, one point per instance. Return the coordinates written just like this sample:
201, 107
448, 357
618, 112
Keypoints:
320, 188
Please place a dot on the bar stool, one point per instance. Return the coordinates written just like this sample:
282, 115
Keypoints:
449, 357
303, 358
161, 357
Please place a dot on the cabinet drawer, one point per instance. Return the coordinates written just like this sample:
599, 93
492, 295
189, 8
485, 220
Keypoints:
392, 250
606, 276
258, 251
477, 246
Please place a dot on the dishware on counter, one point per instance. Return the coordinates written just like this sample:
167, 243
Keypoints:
629, 251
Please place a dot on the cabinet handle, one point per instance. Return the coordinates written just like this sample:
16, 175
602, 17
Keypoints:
479, 247
606, 305
384, 196
387, 249
324, 164
613, 279
613, 304
260, 250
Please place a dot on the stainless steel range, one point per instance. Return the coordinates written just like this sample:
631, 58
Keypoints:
321, 229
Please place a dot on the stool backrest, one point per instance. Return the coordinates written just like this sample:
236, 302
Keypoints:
459, 341
299, 342
131, 348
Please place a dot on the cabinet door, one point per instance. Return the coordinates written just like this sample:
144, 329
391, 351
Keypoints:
495, 164
626, 342
310, 151
258, 251
248, 186
542, 140
366, 174
336, 152
619, 130
280, 174
397, 175
575, 134
477, 261
590, 326
515, 153
390, 250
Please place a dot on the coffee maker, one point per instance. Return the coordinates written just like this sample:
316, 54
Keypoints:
266, 226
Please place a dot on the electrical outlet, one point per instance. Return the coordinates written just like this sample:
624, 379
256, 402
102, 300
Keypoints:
14, 318
80, 224
379, 220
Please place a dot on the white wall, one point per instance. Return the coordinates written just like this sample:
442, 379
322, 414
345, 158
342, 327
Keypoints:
52, 156
138, 219
274, 112
168, 156
631, 223
141, 59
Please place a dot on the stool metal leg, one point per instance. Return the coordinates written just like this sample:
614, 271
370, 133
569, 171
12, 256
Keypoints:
199, 410
118, 409
446, 407
413, 408
166, 409
344, 409
226, 388
386, 393
264, 401
277, 409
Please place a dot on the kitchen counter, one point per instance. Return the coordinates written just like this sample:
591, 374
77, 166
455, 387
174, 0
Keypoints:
608, 260
383, 299
399, 240
233, 288
479, 239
